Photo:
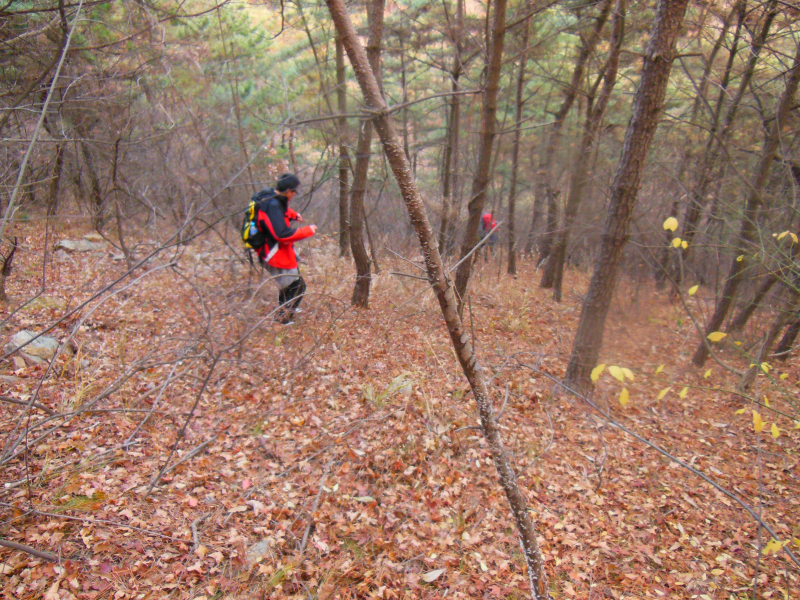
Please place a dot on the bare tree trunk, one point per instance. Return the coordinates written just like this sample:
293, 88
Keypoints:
55, 181
647, 105
747, 231
363, 274
481, 179
546, 183
344, 159
710, 163
452, 138
512, 193
437, 275
581, 174
738, 323
787, 341
780, 321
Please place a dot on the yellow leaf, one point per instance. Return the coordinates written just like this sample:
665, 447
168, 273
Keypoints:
693, 290
794, 237
627, 373
740, 258
739, 412
671, 224
765, 367
797, 542
617, 373
623, 397
676, 242
707, 374
717, 572
758, 422
659, 369
797, 424
684, 244
784, 375
766, 401
683, 392
663, 392
776, 433
716, 336
773, 547
783, 235
597, 371
737, 343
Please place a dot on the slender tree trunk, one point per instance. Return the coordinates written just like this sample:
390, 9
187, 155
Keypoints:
780, 321
437, 275
512, 193
787, 341
344, 159
363, 274
546, 185
747, 232
481, 179
738, 323
647, 106
580, 173
666, 267
58, 168
452, 138
710, 163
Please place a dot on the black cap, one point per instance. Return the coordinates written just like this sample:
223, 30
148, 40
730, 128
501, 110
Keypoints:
287, 181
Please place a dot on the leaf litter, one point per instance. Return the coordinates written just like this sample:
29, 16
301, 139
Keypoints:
342, 458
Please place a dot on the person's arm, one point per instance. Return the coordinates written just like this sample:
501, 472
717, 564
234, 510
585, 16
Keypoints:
277, 226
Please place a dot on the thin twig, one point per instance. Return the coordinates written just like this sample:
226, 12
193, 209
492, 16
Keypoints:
314, 508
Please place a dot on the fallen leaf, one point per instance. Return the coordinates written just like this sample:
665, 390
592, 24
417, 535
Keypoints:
431, 576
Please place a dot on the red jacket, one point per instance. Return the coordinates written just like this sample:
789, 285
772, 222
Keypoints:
278, 252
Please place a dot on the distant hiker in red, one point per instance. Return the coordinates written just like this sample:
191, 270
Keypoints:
277, 254
487, 224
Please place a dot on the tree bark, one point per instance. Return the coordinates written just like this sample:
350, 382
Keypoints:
344, 159
647, 106
437, 275
363, 272
512, 192
481, 179
450, 166
546, 185
738, 323
554, 270
787, 341
747, 231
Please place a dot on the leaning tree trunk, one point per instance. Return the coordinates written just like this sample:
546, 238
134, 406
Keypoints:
512, 192
789, 336
363, 274
437, 275
580, 174
546, 185
747, 232
738, 323
482, 171
647, 105
344, 159
781, 320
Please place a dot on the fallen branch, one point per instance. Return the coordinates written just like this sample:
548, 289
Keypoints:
28, 550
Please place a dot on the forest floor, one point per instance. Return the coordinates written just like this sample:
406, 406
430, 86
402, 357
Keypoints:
338, 457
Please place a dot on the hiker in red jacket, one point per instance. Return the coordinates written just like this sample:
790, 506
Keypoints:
277, 254
487, 224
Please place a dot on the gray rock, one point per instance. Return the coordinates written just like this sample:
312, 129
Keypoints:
43, 348
256, 551
79, 246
